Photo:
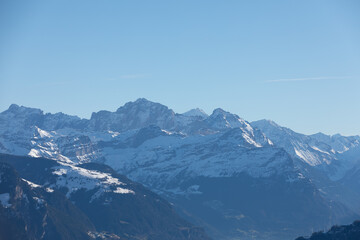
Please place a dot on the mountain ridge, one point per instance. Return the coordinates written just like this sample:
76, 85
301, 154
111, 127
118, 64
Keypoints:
181, 157
14, 106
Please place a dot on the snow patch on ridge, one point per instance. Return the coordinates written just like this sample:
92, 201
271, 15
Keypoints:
34, 185
31, 184
123, 191
76, 178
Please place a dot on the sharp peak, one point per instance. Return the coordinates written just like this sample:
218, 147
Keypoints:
14, 106
142, 100
320, 134
195, 111
220, 111
226, 114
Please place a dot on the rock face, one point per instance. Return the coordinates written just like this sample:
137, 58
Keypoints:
133, 115
61, 201
235, 178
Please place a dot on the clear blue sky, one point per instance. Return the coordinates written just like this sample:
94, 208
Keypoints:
295, 62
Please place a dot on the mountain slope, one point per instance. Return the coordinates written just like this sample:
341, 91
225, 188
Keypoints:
227, 184
112, 202
28, 211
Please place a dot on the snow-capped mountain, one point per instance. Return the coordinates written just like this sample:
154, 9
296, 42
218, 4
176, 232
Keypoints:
133, 115
318, 150
197, 161
298, 145
337, 142
162, 157
141, 113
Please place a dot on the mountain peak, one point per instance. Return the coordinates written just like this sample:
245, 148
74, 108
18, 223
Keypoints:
143, 100
224, 114
141, 103
221, 119
133, 115
218, 111
13, 107
265, 122
16, 109
196, 112
320, 135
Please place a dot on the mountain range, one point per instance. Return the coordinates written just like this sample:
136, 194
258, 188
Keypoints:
236, 179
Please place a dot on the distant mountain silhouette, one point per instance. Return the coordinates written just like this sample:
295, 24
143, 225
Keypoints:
344, 232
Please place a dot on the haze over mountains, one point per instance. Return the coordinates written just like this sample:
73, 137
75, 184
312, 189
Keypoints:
234, 178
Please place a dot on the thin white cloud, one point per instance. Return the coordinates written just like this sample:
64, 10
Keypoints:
307, 79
